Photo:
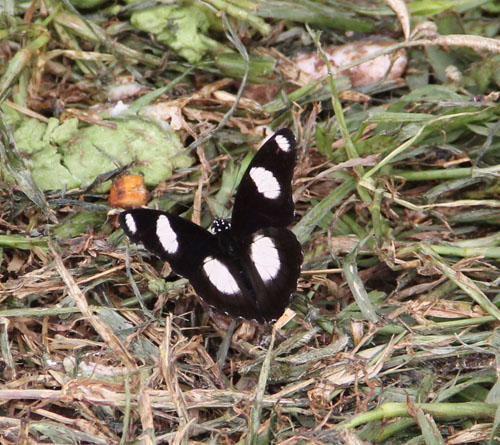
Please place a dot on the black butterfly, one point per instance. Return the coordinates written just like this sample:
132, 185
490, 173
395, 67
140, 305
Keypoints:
247, 267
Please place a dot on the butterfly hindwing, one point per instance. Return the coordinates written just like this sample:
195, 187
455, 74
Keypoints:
257, 280
264, 196
272, 260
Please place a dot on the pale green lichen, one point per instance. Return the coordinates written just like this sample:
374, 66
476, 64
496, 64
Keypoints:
156, 150
181, 28
87, 4
44, 160
62, 156
29, 136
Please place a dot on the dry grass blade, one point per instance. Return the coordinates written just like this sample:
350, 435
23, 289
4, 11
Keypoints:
403, 14
79, 299
464, 283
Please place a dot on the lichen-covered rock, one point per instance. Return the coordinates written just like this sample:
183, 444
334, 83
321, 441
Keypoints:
63, 156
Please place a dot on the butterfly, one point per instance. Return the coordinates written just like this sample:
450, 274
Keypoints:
246, 267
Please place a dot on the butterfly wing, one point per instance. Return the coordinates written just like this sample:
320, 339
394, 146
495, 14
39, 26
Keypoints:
271, 256
264, 197
272, 259
174, 239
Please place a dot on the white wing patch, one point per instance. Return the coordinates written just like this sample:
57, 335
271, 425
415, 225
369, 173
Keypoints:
283, 143
219, 275
265, 256
166, 235
265, 182
129, 221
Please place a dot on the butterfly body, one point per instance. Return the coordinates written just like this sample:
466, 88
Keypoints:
247, 267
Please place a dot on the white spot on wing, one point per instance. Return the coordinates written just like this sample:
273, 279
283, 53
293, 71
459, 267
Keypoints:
265, 256
219, 275
166, 235
265, 182
130, 222
283, 142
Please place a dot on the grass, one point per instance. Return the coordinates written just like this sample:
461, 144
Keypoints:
392, 335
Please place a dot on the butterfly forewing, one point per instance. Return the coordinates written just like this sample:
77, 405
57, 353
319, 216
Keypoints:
264, 197
174, 239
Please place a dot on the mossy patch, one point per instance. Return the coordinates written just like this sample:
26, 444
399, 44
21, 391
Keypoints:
181, 28
63, 156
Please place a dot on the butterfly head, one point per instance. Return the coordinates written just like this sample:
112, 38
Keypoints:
220, 225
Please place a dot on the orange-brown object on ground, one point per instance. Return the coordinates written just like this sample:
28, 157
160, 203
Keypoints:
128, 192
